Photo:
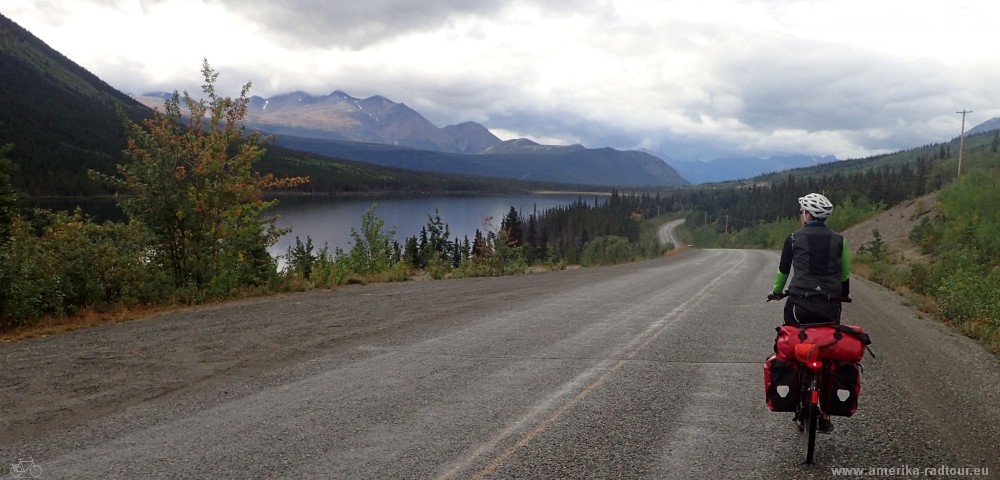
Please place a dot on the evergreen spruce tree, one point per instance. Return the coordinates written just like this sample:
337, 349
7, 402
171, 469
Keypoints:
542, 250
456, 253
411, 252
10, 199
9, 202
531, 252
397, 252
466, 249
421, 247
478, 243
512, 225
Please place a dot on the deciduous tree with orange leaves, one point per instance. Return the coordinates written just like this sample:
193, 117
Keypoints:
189, 178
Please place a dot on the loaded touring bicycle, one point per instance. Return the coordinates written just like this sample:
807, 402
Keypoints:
815, 369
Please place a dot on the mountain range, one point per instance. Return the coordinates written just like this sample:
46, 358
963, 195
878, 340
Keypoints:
991, 124
736, 168
520, 160
339, 116
62, 121
380, 131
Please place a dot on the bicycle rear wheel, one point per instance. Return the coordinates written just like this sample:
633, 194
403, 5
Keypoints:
812, 420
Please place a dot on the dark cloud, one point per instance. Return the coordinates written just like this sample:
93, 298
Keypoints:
817, 86
359, 23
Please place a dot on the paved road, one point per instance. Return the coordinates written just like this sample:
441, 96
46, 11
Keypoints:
649, 370
667, 233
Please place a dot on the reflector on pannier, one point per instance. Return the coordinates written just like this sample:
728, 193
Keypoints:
842, 386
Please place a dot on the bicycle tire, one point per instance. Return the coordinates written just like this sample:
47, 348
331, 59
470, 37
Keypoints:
801, 412
813, 424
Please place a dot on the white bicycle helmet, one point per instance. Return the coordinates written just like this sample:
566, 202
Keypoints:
817, 205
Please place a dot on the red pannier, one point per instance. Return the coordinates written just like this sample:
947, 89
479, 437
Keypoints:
781, 384
841, 389
841, 343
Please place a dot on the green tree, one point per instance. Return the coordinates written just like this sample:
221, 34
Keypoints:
301, 258
995, 145
372, 252
411, 251
434, 239
512, 225
10, 198
9, 202
195, 188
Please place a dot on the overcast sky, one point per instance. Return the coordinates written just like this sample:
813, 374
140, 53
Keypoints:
691, 79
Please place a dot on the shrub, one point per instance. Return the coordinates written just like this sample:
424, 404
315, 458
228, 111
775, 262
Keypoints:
76, 263
300, 258
372, 252
876, 248
609, 250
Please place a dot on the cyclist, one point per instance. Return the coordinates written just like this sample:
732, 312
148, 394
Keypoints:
822, 266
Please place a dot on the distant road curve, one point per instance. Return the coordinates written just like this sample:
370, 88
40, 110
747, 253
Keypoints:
667, 234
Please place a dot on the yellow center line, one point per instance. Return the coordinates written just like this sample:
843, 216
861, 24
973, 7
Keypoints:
489, 468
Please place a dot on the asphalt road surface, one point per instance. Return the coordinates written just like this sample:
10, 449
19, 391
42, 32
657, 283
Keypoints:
647, 370
666, 233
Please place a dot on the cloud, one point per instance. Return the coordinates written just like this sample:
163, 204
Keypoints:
356, 24
693, 80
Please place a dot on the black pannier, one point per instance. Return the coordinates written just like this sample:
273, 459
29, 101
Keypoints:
843, 385
781, 384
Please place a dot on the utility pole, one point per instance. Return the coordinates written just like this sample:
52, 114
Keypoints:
727, 224
961, 141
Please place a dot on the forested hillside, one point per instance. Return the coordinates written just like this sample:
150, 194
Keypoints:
598, 166
934, 152
339, 176
60, 117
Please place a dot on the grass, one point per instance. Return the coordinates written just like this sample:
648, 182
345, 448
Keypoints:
888, 275
48, 326
91, 317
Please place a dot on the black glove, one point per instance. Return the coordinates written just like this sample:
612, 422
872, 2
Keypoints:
774, 296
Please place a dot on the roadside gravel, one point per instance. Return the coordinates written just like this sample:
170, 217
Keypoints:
894, 226
64, 380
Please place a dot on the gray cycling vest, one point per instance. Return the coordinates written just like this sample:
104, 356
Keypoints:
816, 262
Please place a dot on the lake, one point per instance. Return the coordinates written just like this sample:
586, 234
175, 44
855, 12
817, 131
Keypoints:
330, 219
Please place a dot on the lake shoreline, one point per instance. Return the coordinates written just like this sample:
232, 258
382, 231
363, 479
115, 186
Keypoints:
391, 193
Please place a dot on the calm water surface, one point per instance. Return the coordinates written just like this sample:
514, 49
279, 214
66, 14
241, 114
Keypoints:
330, 219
